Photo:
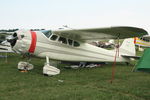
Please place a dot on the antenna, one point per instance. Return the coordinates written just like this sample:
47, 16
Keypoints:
66, 26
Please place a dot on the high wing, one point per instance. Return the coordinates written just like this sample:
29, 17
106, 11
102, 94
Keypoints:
134, 57
93, 34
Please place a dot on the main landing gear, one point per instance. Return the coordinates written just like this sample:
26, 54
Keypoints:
25, 66
49, 70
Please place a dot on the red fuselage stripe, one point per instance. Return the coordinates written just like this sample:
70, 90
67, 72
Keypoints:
33, 42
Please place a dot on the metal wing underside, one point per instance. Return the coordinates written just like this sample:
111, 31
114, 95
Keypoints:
93, 34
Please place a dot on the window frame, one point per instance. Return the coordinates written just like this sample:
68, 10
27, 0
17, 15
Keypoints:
45, 31
62, 41
54, 35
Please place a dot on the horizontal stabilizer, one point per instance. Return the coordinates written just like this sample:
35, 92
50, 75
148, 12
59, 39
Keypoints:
134, 57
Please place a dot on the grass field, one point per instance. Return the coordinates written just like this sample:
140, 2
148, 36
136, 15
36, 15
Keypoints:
72, 84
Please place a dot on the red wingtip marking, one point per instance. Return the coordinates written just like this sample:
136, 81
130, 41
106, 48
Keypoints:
33, 42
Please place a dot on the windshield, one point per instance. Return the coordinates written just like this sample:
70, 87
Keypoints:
47, 33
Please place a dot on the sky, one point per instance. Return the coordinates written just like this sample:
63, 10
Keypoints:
53, 14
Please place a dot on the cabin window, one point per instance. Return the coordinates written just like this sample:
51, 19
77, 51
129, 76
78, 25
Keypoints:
63, 40
76, 44
47, 33
54, 37
70, 41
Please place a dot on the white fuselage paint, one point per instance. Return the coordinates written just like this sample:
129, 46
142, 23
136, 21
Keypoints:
59, 51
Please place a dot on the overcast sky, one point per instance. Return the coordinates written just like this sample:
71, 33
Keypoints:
52, 14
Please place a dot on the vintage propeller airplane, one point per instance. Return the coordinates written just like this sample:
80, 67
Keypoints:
142, 42
72, 45
5, 47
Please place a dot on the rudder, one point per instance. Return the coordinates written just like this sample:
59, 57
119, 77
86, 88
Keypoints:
128, 47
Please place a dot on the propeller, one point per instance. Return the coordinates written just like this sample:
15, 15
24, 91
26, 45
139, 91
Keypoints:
12, 39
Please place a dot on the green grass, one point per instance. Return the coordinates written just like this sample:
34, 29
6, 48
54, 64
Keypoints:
72, 84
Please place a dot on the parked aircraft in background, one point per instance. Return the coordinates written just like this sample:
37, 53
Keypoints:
142, 41
71, 45
5, 47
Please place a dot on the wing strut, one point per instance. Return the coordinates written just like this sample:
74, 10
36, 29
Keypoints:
114, 63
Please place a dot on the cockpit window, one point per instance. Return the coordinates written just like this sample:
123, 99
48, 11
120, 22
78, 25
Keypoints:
54, 37
62, 40
47, 33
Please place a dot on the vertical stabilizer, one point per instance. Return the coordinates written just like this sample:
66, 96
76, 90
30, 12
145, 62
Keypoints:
128, 47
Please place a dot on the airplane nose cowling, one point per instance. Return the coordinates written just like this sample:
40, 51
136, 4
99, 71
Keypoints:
24, 41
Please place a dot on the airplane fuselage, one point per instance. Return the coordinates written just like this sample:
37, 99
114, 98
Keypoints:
39, 45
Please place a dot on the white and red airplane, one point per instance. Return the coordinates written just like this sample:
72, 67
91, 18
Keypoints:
72, 45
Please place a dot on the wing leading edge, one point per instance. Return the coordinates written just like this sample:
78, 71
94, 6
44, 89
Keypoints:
101, 33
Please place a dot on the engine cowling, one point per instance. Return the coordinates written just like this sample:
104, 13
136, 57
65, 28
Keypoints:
24, 42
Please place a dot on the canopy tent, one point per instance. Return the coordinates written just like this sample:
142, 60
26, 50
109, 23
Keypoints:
144, 62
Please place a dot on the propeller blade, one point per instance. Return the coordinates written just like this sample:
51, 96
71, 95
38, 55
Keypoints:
12, 39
